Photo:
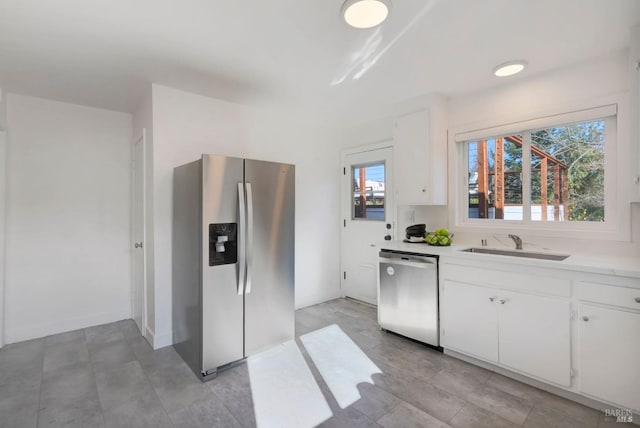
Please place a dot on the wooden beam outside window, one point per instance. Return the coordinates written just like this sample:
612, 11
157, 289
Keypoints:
499, 179
565, 193
483, 180
543, 189
363, 193
556, 192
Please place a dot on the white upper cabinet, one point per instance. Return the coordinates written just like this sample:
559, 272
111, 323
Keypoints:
634, 59
420, 157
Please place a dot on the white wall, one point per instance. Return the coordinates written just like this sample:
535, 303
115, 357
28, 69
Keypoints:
67, 254
186, 125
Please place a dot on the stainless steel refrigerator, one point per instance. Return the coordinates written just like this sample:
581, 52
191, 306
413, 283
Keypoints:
233, 259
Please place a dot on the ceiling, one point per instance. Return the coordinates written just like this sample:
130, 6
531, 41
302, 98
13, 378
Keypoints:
105, 53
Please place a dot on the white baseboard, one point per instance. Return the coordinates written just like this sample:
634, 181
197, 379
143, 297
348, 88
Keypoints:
160, 340
149, 335
36, 331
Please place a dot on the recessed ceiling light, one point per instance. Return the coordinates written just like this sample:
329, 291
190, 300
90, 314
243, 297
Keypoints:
509, 68
365, 13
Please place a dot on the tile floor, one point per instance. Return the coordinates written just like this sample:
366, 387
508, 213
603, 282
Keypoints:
109, 376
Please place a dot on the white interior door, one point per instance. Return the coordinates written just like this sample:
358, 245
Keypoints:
138, 280
368, 218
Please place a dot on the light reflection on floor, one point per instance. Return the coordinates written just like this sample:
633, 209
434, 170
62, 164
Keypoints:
285, 393
340, 361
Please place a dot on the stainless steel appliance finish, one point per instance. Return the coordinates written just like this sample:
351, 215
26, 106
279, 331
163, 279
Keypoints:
408, 295
517, 253
233, 259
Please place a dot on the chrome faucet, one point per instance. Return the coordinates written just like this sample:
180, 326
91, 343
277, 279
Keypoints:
517, 240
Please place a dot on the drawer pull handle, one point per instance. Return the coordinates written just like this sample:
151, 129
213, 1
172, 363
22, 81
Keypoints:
637, 299
585, 318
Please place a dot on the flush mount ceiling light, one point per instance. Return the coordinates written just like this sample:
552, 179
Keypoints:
365, 13
509, 68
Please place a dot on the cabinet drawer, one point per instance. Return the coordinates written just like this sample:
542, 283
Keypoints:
608, 294
507, 280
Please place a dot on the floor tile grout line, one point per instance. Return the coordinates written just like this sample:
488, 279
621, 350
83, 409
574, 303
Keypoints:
93, 372
528, 414
458, 412
146, 375
227, 408
400, 401
44, 349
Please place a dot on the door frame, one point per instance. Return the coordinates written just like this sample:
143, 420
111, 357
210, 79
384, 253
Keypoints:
142, 139
345, 208
3, 219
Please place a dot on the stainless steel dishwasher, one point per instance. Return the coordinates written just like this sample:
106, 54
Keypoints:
408, 295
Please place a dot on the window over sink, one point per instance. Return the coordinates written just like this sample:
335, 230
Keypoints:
556, 172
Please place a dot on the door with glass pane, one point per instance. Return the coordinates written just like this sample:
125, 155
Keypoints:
368, 218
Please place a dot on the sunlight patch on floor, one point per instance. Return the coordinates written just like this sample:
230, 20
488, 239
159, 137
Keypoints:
340, 361
285, 394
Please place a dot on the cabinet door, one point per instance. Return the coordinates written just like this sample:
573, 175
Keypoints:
411, 140
470, 320
610, 355
535, 335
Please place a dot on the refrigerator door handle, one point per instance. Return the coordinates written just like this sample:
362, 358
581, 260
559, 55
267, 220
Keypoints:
241, 237
249, 249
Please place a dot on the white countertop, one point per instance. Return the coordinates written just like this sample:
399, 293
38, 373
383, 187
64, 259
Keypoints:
607, 265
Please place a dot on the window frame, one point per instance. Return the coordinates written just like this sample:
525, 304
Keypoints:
617, 216
352, 207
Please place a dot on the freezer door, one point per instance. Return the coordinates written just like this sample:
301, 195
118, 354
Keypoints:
269, 293
222, 304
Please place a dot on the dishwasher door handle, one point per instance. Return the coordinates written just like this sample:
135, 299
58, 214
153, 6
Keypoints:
427, 264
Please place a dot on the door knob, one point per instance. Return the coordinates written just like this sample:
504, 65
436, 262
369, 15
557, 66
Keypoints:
585, 318
388, 225
387, 238
503, 301
491, 299
138, 245
637, 299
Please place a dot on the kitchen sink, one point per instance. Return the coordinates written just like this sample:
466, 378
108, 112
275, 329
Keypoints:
517, 253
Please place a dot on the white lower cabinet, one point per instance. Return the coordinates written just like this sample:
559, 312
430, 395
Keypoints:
544, 323
524, 332
470, 319
535, 335
609, 355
